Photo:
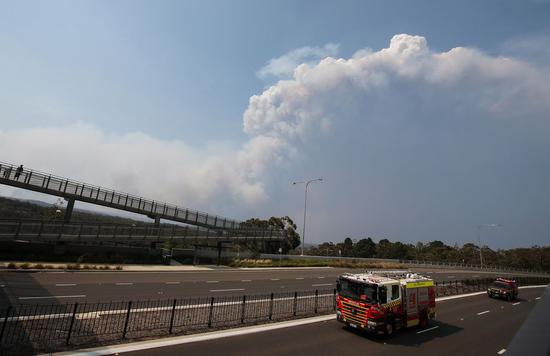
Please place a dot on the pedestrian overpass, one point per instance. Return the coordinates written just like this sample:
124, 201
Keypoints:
72, 190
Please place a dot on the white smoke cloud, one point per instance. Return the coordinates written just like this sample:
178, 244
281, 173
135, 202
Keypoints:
283, 67
319, 96
137, 163
397, 133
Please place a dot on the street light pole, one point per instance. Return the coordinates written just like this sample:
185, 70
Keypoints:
479, 239
305, 211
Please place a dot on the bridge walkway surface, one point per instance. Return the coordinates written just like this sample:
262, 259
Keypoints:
73, 190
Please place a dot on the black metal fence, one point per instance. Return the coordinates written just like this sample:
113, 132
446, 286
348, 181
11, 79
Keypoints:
447, 288
54, 327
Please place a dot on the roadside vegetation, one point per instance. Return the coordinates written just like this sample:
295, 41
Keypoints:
21, 209
534, 258
70, 266
251, 263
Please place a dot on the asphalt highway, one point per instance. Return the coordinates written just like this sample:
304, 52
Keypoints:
474, 325
66, 287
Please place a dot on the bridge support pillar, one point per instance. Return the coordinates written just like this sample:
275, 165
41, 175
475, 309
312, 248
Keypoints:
69, 210
157, 221
219, 246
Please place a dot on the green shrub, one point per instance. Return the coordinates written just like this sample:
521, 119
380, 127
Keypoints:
12, 265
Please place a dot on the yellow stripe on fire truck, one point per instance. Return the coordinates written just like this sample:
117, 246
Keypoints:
392, 304
420, 284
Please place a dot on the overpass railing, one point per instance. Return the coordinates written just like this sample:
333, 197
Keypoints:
38, 230
72, 189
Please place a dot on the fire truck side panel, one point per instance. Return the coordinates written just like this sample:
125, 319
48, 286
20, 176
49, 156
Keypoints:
412, 306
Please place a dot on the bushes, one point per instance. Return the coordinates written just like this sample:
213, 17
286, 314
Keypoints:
70, 266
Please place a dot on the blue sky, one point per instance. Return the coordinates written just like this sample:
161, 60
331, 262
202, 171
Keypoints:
422, 138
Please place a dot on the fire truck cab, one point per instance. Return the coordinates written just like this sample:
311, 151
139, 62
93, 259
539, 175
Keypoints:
503, 288
384, 301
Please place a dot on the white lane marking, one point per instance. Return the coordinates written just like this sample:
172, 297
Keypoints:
275, 279
477, 275
537, 298
124, 284
226, 290
65, 285
299, 277
516, 303
501, 351
212, 281
484, 312
2, 285
430, 329
246, 280
450, 276
53, 296
320, 277
321, 285
173, 282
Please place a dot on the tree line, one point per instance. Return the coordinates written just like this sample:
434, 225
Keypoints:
536, 257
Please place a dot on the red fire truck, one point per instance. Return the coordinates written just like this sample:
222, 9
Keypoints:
503, 288
385, 301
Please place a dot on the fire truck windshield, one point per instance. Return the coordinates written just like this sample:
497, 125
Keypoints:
501, 285
364, 292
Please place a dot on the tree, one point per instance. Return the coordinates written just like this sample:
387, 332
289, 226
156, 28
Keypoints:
285, 223
347, 249
365, 248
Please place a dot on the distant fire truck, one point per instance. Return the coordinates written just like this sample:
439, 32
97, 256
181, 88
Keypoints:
503, 288
385, 301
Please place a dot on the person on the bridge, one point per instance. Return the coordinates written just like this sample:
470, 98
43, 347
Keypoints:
18, 171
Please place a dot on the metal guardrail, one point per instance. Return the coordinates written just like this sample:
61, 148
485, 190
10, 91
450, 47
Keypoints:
53, 327
52, 231
458, 287
72, 189
405, 262
48, 328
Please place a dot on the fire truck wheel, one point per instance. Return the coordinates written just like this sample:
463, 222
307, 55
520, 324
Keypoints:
510, 297
388, 328
423, 322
